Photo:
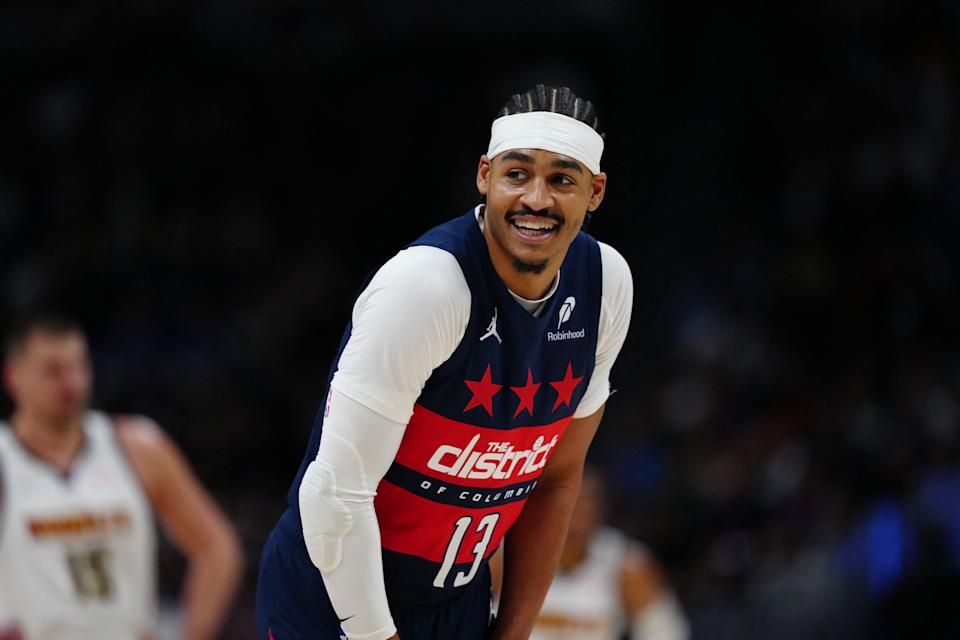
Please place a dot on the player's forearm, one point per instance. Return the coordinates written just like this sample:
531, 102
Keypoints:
340, 528
531, 556
356, 586
209, 587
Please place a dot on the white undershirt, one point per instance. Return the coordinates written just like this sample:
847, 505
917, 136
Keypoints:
535, 307
408, 321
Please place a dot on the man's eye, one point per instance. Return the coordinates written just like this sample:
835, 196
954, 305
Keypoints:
515, 174
564, 180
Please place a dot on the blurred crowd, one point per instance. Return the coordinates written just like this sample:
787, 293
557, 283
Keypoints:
205, 188
795, 429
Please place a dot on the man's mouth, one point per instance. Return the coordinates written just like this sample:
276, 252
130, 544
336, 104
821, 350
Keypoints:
534, 227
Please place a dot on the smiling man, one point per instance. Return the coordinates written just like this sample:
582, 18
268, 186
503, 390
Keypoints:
467, 389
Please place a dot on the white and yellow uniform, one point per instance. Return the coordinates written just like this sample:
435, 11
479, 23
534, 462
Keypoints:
585, 603
77, 550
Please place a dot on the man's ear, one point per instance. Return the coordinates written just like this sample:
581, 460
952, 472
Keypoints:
483, 175
597, 190
9, 379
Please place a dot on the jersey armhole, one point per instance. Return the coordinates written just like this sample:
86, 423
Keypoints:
114, 424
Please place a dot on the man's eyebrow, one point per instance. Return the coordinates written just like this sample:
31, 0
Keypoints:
560, 163
516, 155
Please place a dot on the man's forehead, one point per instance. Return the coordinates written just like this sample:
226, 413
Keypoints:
41, 341
541, 156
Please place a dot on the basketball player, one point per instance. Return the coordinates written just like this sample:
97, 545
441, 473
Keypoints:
78, 493
466, 391
606, 584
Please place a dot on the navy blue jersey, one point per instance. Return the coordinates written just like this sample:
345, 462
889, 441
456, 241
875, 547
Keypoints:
486, 422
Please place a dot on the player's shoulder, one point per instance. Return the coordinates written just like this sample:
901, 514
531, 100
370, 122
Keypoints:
137, 431
426, 266
617, 279
611, 542
619, 550
420, 276
146, 445
614, 264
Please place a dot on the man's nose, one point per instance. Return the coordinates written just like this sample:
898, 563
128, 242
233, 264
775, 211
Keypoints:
538, 196
74, 381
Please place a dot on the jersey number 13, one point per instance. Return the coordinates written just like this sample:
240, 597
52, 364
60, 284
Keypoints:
485, 526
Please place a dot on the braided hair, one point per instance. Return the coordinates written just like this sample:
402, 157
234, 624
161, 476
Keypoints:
555, 100
560, 100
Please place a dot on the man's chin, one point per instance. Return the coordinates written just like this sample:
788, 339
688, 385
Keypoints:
64, 417
529, 266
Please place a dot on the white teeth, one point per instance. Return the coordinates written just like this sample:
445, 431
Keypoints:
533, 233
535, 226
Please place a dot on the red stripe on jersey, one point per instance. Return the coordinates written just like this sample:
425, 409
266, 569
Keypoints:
419, 527
445, 449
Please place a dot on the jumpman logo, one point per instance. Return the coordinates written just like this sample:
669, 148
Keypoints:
492, 329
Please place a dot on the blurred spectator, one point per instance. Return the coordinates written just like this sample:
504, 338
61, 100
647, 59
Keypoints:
607, 587
79, 494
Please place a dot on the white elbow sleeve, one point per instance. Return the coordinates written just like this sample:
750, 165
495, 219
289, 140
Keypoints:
326, 519
336, 487
340, 529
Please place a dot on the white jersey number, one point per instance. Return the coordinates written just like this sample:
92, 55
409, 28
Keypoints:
485, 526
90, 570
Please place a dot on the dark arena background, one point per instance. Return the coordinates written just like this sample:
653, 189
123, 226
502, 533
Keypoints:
205, 185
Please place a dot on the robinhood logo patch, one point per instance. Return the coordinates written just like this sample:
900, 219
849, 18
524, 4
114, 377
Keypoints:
566, 310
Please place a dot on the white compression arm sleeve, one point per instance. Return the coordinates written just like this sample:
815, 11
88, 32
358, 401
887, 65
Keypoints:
339, 523
408, 320
616, 304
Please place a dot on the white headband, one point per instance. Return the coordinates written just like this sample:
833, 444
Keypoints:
548, 131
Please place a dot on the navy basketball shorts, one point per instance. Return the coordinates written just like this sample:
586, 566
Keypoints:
292, 603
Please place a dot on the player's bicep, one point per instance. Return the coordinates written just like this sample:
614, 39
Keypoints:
188, 512
408, 320
182, 505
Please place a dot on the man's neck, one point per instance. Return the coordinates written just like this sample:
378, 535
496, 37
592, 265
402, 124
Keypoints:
57, 442
529, 285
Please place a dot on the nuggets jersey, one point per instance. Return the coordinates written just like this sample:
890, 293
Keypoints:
486, 422
584, 603
76, 550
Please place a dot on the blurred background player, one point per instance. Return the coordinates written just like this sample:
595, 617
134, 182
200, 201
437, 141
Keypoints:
78, 495
608, 586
